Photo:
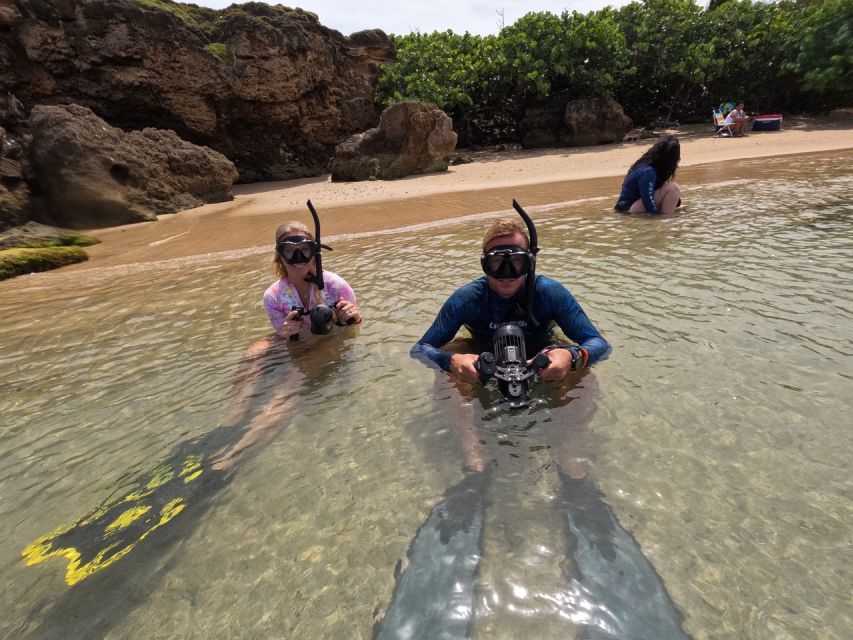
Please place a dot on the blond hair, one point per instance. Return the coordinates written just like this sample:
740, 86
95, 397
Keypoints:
292, 228
505, 227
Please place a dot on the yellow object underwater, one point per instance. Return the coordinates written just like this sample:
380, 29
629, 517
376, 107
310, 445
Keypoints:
113, 530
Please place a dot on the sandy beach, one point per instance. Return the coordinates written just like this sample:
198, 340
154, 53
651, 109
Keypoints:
488, 183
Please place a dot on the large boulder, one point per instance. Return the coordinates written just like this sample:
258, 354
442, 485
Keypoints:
411, 138
592, 121
90, 174
560, 122
268, 86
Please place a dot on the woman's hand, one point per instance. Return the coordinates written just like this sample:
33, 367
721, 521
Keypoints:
347, 312
291, 326
463, 366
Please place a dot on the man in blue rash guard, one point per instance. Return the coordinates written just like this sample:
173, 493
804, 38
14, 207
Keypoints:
500, 296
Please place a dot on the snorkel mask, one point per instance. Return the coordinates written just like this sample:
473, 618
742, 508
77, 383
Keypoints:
507, 262
300, 249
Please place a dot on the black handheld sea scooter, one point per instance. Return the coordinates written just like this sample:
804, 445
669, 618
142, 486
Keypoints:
321, 314
508, 365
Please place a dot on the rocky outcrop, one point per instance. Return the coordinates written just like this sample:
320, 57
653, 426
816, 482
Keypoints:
15, 199
411, 138
90, 174
560, 122
267, 86
592, 121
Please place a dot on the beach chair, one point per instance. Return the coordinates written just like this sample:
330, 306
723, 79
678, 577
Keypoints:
720, 126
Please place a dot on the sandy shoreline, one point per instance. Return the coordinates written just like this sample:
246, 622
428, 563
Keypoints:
489, 183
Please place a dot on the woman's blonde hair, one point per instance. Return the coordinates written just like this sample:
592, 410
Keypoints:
505, 227
292, 228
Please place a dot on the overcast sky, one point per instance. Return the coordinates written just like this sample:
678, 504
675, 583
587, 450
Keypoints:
404, 16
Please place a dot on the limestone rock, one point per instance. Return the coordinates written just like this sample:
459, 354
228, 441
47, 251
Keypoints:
91, 174
592, 121
411, 138
15, 198
268, 86
560, 122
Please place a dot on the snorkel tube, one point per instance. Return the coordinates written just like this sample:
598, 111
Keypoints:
317, 278
530, 283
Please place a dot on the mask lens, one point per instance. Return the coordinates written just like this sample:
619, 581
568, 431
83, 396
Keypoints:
519, 262
506, 262
494, 262
297, 252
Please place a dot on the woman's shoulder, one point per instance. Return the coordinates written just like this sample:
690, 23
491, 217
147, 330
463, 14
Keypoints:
275, 289
330, 278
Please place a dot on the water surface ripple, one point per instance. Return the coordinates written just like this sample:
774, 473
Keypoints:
717, 434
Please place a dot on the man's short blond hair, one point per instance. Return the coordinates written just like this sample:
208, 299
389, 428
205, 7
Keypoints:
505, 227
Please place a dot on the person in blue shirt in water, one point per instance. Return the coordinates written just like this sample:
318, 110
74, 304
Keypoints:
501, 296
649, 186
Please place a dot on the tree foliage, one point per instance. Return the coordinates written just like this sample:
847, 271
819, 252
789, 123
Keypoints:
661, 59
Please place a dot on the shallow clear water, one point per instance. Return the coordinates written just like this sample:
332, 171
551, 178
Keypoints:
718, 431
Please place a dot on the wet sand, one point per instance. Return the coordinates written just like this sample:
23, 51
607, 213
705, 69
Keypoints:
488, 184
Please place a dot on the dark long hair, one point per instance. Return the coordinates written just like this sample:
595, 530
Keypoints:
663, 157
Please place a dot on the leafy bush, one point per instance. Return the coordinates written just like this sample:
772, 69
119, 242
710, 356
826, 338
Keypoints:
662, 60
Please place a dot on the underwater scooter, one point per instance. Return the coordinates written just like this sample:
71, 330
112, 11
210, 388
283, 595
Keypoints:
508, 365
321, 314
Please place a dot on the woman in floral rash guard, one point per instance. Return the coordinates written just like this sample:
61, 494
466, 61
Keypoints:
295, 264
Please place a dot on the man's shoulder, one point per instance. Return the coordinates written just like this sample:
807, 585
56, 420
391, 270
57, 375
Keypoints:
470, 290
548, 287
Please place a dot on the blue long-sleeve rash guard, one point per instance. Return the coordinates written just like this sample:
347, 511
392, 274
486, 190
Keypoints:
639, 184
481, 310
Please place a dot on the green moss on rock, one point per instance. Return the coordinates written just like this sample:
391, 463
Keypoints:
69, 239
18, 261
193, 15
218, 49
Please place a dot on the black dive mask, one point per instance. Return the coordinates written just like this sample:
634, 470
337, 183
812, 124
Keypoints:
507, 262
296, 249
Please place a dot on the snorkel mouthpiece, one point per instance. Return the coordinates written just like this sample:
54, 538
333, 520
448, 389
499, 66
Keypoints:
530, 283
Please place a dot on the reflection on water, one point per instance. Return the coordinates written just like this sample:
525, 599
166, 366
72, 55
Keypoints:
719, 438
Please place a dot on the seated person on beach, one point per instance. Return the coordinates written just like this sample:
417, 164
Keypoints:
500, 297
649, 186
738, 119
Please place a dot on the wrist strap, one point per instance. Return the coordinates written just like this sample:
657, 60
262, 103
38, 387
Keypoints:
580, 356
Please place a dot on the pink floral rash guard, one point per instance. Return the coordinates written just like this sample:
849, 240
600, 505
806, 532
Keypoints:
281, 297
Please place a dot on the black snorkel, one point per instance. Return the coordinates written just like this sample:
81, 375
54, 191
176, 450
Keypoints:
317, 278
530, 283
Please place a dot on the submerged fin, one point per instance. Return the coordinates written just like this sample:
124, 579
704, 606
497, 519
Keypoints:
624, 596
112, 531
434, 595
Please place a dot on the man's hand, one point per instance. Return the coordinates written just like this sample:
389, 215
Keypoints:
561, 364
463, 366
